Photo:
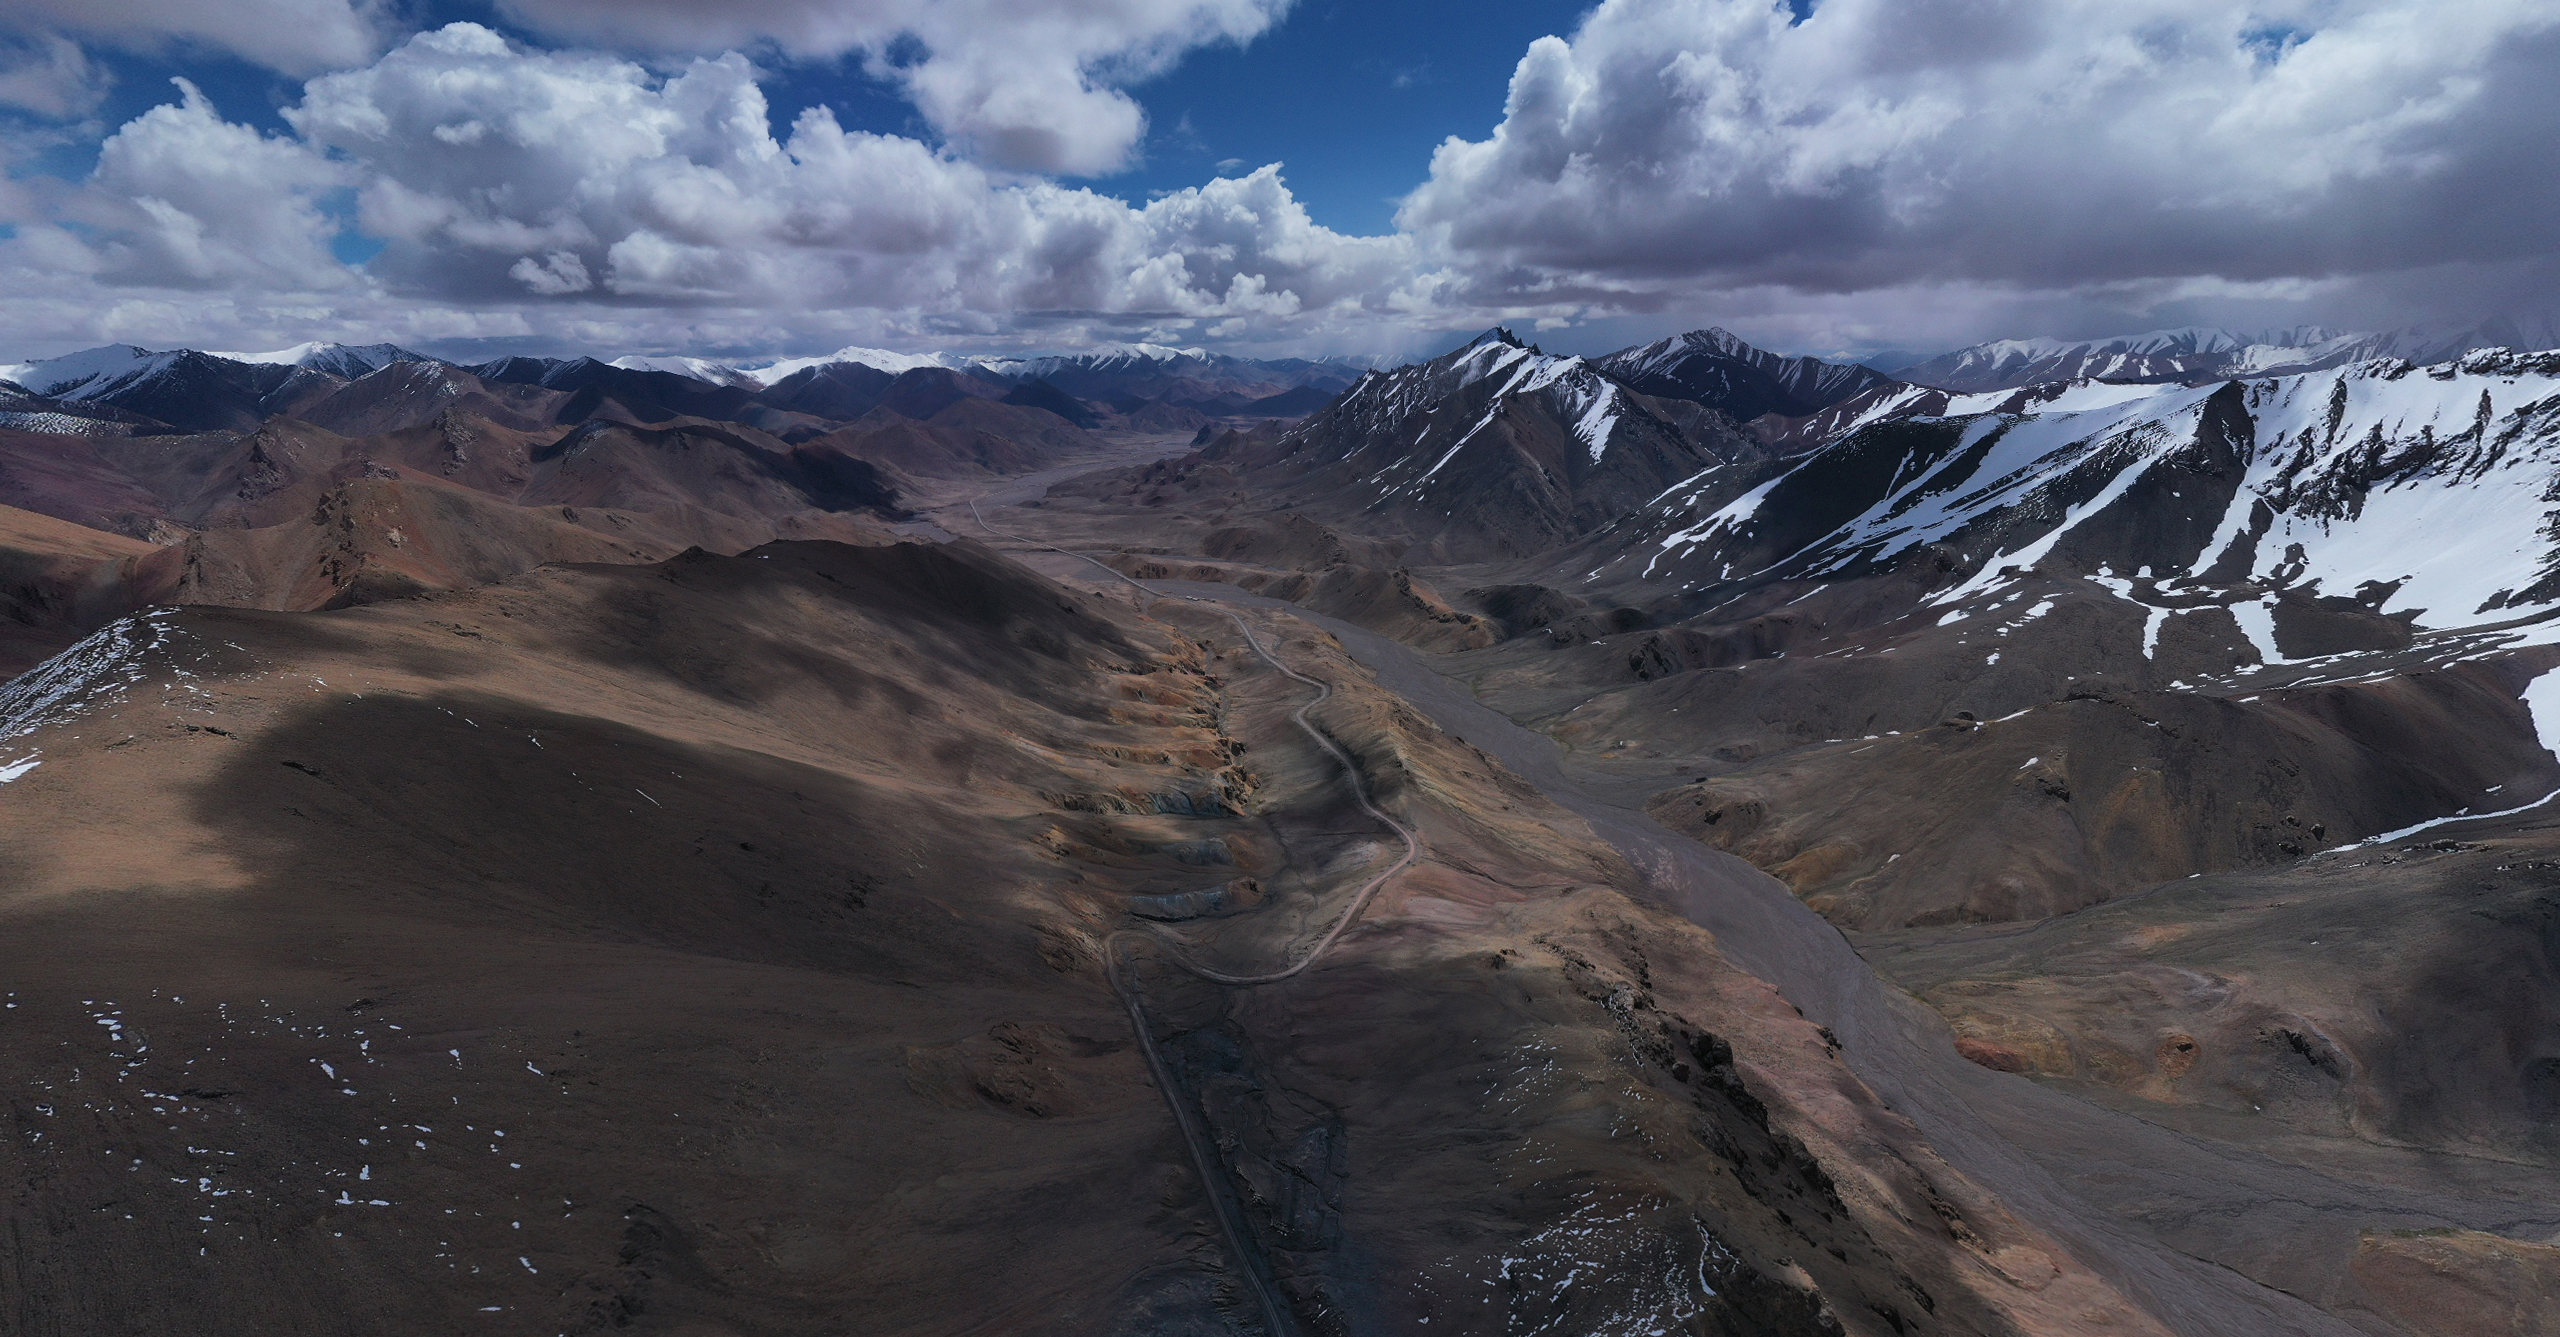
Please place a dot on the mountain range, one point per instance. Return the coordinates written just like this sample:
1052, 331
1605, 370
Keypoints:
2124, 672
2059, 839
1160, 387
2197, 354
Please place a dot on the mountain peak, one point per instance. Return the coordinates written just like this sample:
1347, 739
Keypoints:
879, 359
348, 360
1150, 352
1717, 368
65, 375
1718, 338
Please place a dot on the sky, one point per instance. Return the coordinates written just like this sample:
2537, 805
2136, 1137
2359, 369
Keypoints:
768, 177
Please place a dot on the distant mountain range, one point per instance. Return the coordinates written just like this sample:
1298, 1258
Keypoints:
326, 474
1499, 449
1136, 386
348, 360
2205, 354
1154, 387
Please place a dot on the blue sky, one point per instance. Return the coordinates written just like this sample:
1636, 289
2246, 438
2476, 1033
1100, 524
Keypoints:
1831, 177
1351, 97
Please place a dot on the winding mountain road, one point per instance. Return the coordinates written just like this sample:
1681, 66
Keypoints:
1231, 1218
1350, 772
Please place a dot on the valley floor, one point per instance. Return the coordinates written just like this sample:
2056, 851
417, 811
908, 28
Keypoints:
2339, 1211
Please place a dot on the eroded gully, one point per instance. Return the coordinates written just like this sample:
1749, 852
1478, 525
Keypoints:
1251, 1266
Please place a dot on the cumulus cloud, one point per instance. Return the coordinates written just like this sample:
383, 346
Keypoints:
1024, 85
1686, 146
1911, 172
587, 185
182, 198
293, 36
498, 173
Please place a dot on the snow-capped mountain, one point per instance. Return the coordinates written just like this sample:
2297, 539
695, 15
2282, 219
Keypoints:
1124, 377
2427, 344
2197, 354
84, 374
199, 391
1715, 368
21, 412
648, 395
347, 360
2418, 494
1104, 358
699, 368
1495, 448
879, 359
180, 387
1215, 382
2158, 355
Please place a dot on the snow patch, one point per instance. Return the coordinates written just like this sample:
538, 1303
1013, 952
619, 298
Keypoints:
2542, 698
2258, 623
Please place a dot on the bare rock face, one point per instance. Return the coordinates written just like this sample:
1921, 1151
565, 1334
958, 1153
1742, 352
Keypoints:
2396, 994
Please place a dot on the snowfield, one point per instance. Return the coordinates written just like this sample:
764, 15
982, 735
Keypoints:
2430, 491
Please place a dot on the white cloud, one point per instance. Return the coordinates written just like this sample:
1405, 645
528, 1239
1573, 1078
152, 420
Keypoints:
496, 172
1912, 172
585, 189
1682, 147
554, 275
1023, 85
294, 36
184, 199
51, 76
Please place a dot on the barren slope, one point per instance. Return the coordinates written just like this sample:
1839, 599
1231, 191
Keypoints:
714, 946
